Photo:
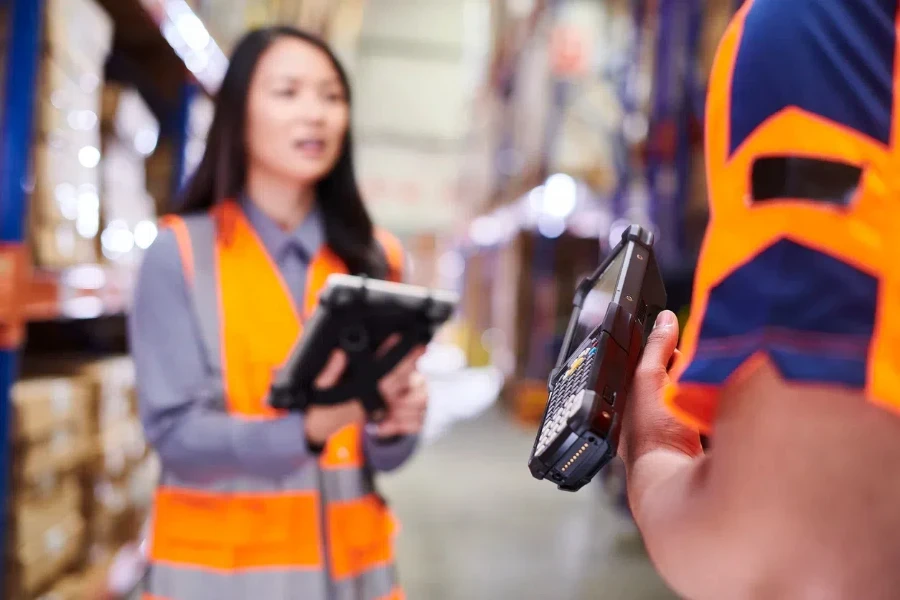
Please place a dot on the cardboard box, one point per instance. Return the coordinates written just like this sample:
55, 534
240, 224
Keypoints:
33, 515
121, 447
113, 517
37, 562
80, 28
38, 465
117, 508
61, 246
69, 588
134, 122
64, 216
111, 382
66, 186
44, 406
66, 87
61, 85
115, 381
89, 584
126, 202
52, 418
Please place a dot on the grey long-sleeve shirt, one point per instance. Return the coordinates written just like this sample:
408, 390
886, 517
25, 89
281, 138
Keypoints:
180, 410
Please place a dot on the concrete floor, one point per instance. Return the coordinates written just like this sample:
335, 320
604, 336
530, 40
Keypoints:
476, 526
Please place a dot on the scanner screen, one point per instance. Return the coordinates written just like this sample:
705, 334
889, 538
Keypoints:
596, 302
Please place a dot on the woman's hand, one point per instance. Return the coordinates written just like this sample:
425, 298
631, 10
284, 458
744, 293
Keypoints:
407, 402
321, 422
404, 391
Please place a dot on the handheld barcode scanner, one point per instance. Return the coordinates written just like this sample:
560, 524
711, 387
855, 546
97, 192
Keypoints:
614, 312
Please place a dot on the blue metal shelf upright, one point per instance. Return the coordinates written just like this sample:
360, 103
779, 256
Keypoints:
24, 32
674, 91
22, 63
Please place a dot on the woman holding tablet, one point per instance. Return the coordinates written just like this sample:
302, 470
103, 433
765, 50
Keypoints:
254, 503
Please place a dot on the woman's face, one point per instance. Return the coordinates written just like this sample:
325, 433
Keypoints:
297, 112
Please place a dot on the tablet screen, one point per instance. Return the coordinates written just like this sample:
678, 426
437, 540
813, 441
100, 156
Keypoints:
593, 311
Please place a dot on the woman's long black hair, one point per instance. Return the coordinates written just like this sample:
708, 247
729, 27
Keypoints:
222, 171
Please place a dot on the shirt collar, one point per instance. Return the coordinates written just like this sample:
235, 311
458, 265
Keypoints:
309, 236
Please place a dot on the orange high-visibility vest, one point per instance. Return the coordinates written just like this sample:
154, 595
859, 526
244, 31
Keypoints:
808, 285
320, 533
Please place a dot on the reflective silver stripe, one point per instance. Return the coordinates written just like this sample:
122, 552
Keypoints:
205, 291
375, 584
340, 485
304, 479
187, 583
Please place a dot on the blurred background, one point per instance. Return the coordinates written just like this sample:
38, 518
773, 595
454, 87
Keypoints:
507, 142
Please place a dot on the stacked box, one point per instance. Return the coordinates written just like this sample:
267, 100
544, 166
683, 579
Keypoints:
65, 206
51, 437
87, 584
117, 507
130, 134
80, 29
120, 473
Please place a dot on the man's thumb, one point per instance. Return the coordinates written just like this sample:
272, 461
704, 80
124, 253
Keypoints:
662, 341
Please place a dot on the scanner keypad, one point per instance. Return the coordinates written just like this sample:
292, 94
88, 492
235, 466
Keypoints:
567, 396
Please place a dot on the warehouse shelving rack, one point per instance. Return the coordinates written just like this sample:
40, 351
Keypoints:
27, 295
25, 19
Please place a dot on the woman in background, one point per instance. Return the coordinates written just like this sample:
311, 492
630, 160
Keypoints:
254, 503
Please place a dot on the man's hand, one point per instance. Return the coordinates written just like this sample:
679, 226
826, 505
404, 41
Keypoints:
664, 464
647, 423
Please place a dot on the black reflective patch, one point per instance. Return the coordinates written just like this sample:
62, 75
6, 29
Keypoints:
799, 178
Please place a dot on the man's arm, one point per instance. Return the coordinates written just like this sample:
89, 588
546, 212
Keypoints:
794, 499
666, 467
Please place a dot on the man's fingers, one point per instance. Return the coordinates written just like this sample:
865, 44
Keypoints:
332, 371
676, 356
660, 346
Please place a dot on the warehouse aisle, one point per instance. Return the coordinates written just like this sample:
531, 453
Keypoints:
476, 526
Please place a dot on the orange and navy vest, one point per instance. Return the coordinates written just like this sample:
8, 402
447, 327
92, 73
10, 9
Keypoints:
797, 266
322, 531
